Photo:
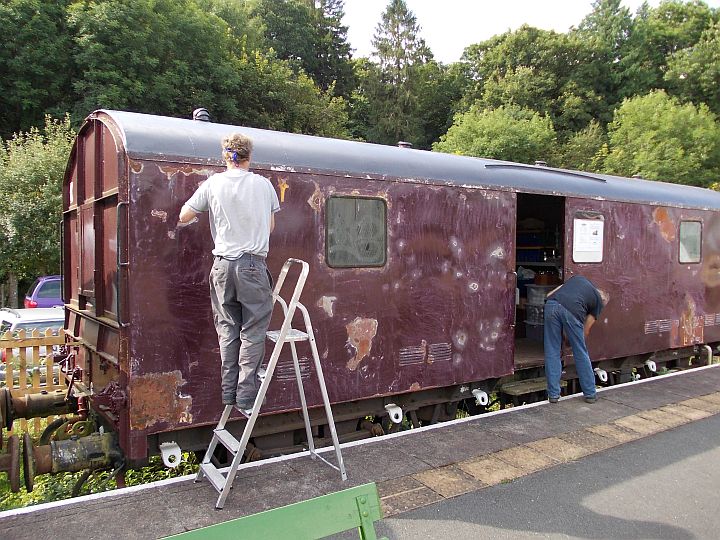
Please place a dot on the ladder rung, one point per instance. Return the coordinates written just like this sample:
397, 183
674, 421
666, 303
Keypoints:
292, 335
216, 477
227, 440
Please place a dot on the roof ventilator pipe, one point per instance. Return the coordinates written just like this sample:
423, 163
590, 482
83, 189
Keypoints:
171, 454
652, 366
481, 397
395, 412
601, 374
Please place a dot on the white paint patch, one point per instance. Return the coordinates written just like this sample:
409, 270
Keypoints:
473, 286
326, 303
171, 235
460, 339
160, 214
499, 253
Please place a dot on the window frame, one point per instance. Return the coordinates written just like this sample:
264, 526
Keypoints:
680, 243
327, 231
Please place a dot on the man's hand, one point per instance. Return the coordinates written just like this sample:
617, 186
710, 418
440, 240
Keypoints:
589, 321
187, 216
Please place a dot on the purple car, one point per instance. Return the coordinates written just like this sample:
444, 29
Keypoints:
45, 292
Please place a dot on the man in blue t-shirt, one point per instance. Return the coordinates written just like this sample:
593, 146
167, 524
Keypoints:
571, 309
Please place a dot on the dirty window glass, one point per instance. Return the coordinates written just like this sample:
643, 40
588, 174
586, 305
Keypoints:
356, 232
690, 236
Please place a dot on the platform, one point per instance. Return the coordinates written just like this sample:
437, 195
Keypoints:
412, 468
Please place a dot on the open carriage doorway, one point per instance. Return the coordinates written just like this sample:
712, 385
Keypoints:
539, 255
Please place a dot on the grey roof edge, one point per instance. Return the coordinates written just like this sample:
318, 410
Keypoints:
183, 140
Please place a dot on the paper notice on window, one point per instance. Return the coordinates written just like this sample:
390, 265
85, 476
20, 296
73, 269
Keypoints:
588, 240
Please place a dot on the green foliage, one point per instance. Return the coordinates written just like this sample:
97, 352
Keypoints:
694, 72
540, 70
394, 86
35, 67
32, 166
156, 56
56, 487
659, 138
657, 34
583, 151
509, 133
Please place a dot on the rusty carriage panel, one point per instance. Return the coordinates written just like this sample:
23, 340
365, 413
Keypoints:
411, 254
437, 310
656, 302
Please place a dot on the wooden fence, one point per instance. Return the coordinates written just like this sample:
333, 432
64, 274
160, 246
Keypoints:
27, 360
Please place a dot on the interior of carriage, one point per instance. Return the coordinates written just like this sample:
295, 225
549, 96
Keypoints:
539, 252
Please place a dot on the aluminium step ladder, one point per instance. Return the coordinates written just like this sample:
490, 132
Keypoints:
222, 478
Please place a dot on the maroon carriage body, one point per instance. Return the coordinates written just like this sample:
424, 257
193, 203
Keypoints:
412, 282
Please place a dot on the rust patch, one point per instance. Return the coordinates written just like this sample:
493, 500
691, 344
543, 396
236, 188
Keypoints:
156, 398
136, 166
316, 199
171, 170
665, 223
691, 326
360, 335
414, 387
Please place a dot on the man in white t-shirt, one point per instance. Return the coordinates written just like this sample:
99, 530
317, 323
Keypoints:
242, 208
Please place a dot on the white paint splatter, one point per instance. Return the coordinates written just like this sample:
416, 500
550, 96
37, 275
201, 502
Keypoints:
326, 303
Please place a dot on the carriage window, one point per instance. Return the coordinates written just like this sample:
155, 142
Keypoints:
356, 232
690, 241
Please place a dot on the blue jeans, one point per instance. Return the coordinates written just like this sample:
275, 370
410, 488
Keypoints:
241, 297
559, 320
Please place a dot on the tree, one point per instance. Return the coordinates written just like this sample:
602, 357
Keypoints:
540, 70
694, 73
35, 66
393, 88
508, 132
32, 166
657, 35
168, 57
311, 37
583, 151
659, 138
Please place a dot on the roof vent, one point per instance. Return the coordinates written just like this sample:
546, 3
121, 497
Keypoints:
201, 115
540, 163
404, 144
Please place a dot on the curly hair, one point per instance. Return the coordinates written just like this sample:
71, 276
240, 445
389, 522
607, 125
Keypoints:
237, 147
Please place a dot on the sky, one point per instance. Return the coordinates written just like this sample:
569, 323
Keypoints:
448, 26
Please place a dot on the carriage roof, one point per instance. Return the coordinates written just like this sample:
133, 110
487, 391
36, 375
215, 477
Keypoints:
159, 138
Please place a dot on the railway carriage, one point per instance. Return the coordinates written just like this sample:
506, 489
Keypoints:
413, 290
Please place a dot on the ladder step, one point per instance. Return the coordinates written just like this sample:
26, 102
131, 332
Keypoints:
217, 479
227, 440
292, 335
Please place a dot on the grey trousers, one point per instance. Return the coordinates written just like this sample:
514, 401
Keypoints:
241, 297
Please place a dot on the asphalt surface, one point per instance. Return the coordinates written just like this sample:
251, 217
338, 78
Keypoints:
665, 486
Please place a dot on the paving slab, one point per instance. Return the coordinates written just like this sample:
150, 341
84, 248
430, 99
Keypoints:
413, 469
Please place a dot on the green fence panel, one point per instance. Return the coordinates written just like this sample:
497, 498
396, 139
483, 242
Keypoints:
357, 507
